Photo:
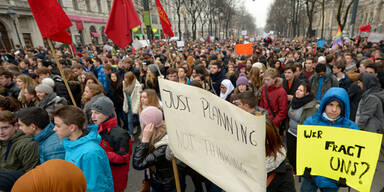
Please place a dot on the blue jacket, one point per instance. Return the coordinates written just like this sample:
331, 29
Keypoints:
87, 154
50, 145
318, 119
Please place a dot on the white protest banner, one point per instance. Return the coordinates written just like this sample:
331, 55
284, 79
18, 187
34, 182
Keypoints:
138, 44
252, 39
212, 38
180, 43
375, 37
244, 32
108, 47
214, 137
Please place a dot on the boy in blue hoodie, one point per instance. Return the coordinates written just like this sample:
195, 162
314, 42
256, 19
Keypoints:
334, 111
82, 147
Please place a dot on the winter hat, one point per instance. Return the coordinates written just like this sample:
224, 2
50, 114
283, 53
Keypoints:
242, 80
151, 115
258, 65
240, 65
103, 105
321, 59
7, 179
44, 88
48, 81
154, 68
341, 103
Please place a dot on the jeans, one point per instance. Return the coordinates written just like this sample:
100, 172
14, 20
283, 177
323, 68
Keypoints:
129, 118
309, 185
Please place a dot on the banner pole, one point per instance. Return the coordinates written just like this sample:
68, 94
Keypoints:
176, 174
61, 71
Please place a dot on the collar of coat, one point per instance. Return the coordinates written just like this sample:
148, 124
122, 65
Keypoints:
108, 125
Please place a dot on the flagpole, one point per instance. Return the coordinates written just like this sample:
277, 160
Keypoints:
176, 174
61, 71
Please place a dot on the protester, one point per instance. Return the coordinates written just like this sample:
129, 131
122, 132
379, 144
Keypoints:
35, 122
342, 78
321, 81
303, 105
20, 153
132, 90
6, 80
226, 90
53, 175
149, 98
8, 179
216, 76
290, 82
49, 101
91, 93
114, 140
82, 147
151, 151
248, 101
333, 111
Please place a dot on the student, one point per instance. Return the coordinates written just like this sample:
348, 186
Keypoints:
35, 122
82, 147
342, 78
321, 81
20, 153
115, 141
333, 111
290, 82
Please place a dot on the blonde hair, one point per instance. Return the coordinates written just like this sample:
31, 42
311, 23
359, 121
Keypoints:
271, 72
153, 99
28, 82
129, 77
94, 89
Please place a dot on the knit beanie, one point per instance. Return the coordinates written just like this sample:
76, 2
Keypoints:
44, 88
151, 115
341, 103
154, 68
7, 179
242, 80
103, 105
48, 81
240, 65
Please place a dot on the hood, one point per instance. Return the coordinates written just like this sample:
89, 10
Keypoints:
18, 135
45, 133
370, 81
278, 83
228, 84
335, 92
163, 141
108, 124
92, 136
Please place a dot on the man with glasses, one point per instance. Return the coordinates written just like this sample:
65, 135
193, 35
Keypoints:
17, 151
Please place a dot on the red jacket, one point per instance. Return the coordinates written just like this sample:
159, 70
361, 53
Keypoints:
278, 100
118, 146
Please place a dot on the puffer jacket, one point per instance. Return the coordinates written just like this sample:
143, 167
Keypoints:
18, 153
278, 100
162, 179
343, 121
117, 144
51, 102
50, 145
12, 90
86, 153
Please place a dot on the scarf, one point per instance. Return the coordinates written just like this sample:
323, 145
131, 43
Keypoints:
129, 88
228, 84
300, 102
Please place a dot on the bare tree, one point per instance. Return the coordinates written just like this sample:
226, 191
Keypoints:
194, 9
176, 4
343, 7
310, 5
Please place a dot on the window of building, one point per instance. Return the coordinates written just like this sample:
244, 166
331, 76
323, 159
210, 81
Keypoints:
28, 40
88, 4
99, 5
75, 5
109, 4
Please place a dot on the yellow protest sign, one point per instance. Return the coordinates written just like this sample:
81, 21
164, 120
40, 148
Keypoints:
336, 153
219, 140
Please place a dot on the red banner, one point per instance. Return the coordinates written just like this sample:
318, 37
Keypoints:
365, 28
165, 24
79, 25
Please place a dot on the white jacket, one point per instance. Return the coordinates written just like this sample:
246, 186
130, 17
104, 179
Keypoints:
135, 98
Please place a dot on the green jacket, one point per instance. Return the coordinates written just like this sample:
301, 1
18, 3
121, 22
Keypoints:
19, 153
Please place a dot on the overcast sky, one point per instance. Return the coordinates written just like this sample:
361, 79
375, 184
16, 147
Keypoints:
259, 10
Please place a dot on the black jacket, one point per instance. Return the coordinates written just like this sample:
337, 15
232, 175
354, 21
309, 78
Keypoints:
354, 94
345, 82
12, 90
216, 80
294, 86
162, 179
283, 181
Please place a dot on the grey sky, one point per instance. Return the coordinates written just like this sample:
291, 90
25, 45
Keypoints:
259, 10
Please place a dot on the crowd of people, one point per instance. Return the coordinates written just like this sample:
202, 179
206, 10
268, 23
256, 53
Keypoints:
55, 140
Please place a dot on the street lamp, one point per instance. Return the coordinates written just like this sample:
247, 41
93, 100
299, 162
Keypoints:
12, 14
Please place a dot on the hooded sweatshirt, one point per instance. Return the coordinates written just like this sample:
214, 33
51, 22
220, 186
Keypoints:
86, 153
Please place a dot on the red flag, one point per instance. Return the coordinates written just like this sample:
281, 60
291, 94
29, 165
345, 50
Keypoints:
122, 19
365, 28
165, 24
51, 20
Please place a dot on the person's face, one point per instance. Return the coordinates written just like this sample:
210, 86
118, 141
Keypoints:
28, 130
41, 95
62, 130
113, 77
144, 98
42, 76
277, 65
181, 73
297, 72
348, 59
19, 83
242, 106
172, 77
360, 84
242, 88
300, 92
288, 74
7, 131
90, 81
309, 65
98, 117
4, 81
370, 70
231, 68
333, 110
87, 93
23, 65
242, 70
362, 68
269, 81
336, 70
27, 95
77, 72
214, 69
223, 89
